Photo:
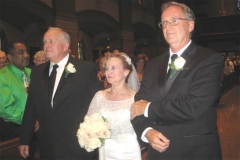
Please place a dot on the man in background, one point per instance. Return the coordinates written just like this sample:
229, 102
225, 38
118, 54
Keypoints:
14, 83
14, 80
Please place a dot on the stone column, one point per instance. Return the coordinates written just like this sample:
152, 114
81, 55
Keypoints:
128, 42
64, 17
125, 19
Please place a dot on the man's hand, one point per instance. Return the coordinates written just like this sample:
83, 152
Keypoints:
36, 126
157, 140
138, 108
24, 151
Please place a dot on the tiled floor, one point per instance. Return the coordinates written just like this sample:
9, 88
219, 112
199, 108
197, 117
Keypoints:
229, 124
228, 110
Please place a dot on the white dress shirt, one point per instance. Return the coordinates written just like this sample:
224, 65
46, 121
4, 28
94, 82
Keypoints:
60, 69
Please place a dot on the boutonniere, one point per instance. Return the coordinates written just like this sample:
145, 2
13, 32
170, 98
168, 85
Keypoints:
177, 65
69, 69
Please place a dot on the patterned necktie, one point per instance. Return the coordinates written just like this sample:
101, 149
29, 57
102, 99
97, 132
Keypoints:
173, 57
25, 81
52, 79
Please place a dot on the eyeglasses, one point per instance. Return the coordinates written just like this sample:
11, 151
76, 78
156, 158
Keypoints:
172, 22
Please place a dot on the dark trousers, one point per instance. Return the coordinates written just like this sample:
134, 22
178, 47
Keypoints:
9, 130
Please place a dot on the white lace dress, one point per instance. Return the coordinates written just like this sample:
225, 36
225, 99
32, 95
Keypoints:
123, 144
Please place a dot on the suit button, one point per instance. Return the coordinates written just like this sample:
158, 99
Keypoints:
53, 118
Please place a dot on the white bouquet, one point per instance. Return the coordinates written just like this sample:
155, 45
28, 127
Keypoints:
93, 131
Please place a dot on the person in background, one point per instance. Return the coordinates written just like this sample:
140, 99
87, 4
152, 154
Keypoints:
115, 50
3, 59
14, 82
14, 88
100, 74
61, 102
39, 58
229, 67
114, 104
175, 108
237, 68
140, 65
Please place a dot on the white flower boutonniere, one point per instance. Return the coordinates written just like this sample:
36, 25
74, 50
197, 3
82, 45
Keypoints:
69, 69
177, 65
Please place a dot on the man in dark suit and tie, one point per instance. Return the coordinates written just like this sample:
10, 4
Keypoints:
59, 95
176, 115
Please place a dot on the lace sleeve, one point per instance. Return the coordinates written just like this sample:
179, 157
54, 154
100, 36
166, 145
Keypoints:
94, 105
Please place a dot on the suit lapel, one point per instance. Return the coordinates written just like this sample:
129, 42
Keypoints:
45, 77
63, 81
187, 56
162, 70
170, 82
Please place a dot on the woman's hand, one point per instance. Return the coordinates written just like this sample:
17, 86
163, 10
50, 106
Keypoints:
138, 108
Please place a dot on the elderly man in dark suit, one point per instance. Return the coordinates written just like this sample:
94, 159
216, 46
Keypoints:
59, 95
176, 114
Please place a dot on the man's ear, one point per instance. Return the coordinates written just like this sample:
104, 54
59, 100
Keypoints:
9, 57
66, 46
191, 26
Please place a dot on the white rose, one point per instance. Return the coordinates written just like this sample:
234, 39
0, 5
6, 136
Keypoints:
71, 68
92, 130
93, 144
96, 116
179, 63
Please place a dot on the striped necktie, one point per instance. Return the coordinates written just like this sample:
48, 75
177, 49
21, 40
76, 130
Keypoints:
173, 57
52, 79
25, 81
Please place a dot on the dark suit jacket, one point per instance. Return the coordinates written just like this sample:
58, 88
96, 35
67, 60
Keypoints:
184, 107
59, 125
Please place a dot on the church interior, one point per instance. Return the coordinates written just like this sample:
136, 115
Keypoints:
131, 26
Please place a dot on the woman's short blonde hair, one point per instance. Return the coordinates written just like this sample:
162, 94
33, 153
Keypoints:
124, 58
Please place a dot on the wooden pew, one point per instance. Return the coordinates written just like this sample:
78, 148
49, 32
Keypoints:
9, 150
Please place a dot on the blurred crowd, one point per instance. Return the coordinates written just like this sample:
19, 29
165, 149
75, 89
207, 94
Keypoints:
231, 73
231, 64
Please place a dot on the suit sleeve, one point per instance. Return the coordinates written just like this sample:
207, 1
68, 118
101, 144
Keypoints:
140, 123
29, 117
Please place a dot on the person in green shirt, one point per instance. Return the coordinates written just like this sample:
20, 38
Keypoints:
13, 94
14, 82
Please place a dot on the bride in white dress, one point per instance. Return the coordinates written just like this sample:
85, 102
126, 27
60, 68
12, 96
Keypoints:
114, 104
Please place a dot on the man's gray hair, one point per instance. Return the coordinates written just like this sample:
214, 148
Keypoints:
64, 35
188, 13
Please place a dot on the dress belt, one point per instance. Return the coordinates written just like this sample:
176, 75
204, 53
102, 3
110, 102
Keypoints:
119, 136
